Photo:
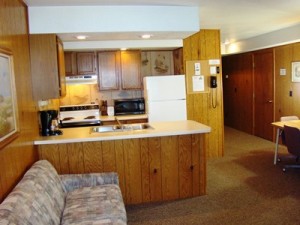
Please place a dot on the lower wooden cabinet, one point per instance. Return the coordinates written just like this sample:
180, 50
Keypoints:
149, 169
131, 121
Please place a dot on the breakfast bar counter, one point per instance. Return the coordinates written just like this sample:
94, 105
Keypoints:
161, 163
84, 134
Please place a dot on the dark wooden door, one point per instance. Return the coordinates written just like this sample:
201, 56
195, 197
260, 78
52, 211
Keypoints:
263, 93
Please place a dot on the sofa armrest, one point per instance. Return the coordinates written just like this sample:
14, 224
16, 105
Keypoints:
71, 182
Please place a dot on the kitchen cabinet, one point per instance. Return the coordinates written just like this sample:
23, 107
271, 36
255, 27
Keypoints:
80, 63
109, 70
131, 70
130, 121
47, 66
119, 70
127, 121
86, 63
70, 63
150, 169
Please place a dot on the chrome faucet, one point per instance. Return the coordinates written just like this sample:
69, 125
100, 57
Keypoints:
119, 123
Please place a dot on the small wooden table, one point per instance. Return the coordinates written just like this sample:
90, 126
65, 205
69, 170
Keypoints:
280, 125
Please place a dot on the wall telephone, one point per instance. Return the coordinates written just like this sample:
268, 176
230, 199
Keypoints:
213, 85
213, 81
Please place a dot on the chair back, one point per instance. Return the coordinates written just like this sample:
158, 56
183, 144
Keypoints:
292, 140
286, 118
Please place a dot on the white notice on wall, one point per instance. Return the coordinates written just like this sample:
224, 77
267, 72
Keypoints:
198, 83
214, 62
197, 68
213, 70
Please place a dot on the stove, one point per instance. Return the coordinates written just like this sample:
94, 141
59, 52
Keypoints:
79, 115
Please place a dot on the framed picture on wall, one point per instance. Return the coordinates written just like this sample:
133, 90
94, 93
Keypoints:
295, 71
8, 102
162, 63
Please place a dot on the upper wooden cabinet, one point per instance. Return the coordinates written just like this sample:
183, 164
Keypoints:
80, 63
131, 70
109, 70
47, 67
86, 63
119, 70
70, 64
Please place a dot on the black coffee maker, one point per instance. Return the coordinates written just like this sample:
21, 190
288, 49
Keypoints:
49, 123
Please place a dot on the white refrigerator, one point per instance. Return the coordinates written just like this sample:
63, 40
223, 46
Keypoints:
165, 98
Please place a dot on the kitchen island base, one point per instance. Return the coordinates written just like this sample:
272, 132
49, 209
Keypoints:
150, 169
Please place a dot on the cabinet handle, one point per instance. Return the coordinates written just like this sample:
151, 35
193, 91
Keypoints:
155, 171
192, 167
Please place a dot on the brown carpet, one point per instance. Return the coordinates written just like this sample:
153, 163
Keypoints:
243, 187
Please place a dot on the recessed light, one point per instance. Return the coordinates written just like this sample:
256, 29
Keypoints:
81, 37
226, 42
146, 36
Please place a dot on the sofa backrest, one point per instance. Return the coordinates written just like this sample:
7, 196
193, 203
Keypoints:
37, 199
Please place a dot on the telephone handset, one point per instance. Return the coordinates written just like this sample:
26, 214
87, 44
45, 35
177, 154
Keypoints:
213, 85
213, 81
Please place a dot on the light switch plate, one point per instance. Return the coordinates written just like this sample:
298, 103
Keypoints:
282, 72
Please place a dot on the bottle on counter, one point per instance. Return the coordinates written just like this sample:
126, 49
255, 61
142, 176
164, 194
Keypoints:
103, 108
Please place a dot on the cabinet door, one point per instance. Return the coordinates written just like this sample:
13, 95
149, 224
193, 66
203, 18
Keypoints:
109, 70
44, 66
185, 168
61, 68
70, 64
86, 63
131, 70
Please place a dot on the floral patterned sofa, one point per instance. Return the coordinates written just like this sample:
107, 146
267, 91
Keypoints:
44, 197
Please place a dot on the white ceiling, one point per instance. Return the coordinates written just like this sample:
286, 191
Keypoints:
237, 19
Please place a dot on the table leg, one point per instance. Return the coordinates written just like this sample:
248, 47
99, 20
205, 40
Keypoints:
276, 146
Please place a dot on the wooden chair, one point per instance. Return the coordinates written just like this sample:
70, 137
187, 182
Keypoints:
292, 141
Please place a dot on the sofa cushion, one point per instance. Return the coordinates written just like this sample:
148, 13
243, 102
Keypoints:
37, 199
95, 205
71, 182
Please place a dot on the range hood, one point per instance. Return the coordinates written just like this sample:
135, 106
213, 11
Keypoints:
82, 79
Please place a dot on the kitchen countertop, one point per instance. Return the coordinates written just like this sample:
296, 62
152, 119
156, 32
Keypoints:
124, 117
83, 134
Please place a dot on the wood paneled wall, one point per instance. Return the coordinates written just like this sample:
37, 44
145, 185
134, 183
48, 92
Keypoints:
205, 45
285, 104
17, 156
238, 87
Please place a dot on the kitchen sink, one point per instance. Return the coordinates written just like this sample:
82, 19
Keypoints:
123, 127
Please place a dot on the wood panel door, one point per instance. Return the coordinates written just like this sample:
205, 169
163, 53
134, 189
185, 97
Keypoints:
131, 70
86, 63
61, 68
46, 77
263, 93
109, 70
70, 64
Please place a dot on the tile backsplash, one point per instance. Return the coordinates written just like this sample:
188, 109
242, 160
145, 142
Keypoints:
89, 93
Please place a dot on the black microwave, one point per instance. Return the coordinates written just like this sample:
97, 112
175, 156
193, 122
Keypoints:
129, 106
